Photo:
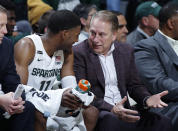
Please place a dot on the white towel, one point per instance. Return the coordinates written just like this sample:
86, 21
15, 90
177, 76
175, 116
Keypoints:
50, 102
45, 101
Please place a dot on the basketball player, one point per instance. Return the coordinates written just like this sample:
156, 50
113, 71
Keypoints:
42, 60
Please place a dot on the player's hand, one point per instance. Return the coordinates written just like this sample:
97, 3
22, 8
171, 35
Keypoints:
70, 100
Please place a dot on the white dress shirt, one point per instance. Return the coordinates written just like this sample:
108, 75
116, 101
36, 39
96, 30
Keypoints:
112, 93
82, 36
142, 32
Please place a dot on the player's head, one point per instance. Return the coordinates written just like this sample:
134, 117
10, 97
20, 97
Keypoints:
63, 20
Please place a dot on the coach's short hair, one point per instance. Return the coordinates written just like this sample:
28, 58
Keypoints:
3, 10
107, 16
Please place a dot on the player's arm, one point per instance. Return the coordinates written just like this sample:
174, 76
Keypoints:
68, 80
24, 52
67, 68
67, 72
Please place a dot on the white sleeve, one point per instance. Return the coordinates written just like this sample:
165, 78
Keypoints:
68, 82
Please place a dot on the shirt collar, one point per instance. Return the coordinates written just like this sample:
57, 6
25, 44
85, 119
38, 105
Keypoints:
85, 33
142, 32
170, 40
110, 50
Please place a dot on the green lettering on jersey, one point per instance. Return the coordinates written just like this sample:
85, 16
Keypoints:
34, 72
41, 73
46, 73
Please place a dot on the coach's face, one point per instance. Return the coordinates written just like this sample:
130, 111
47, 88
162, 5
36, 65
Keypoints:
101, 36
3, 23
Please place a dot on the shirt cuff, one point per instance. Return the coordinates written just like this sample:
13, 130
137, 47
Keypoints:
145, 106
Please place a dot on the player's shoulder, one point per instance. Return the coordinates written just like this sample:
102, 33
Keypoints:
25, 43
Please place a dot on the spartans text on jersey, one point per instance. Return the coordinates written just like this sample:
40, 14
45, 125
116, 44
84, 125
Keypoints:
45, 73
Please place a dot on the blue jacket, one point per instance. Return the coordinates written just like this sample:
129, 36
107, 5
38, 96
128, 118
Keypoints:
157, 64
8, 75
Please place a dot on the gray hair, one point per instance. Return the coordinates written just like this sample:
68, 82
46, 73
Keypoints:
107, 16
3, 10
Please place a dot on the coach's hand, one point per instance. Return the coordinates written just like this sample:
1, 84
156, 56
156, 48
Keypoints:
124, 114
10, 105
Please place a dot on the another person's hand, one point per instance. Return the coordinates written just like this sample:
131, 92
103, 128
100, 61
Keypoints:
155, 100
124, 114
69, 100
10, 105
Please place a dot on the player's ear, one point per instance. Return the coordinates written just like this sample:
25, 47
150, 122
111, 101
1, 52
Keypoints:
65, 33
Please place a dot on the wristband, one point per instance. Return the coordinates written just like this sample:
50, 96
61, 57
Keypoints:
68, 82
144, 103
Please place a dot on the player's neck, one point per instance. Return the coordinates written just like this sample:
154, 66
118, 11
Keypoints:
49, 45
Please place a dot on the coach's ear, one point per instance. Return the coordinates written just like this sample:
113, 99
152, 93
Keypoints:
114, 35
83, 21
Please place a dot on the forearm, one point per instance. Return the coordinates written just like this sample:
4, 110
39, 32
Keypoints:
100, 104
67, 68
23, 73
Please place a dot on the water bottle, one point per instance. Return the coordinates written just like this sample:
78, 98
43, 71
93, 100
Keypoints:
82, 88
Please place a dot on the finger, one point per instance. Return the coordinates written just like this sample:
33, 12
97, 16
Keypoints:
163, 93
154, 106
163, 104
131, 118
20, 110
71, 96
122, 101
68, 91
9, 111
16, 107
17, 111
12, 94
160, 106
74, 101
17, 102
21, 103
128, 111
70, 105
20, 99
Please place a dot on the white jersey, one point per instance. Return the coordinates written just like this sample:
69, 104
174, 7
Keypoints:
44, 70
